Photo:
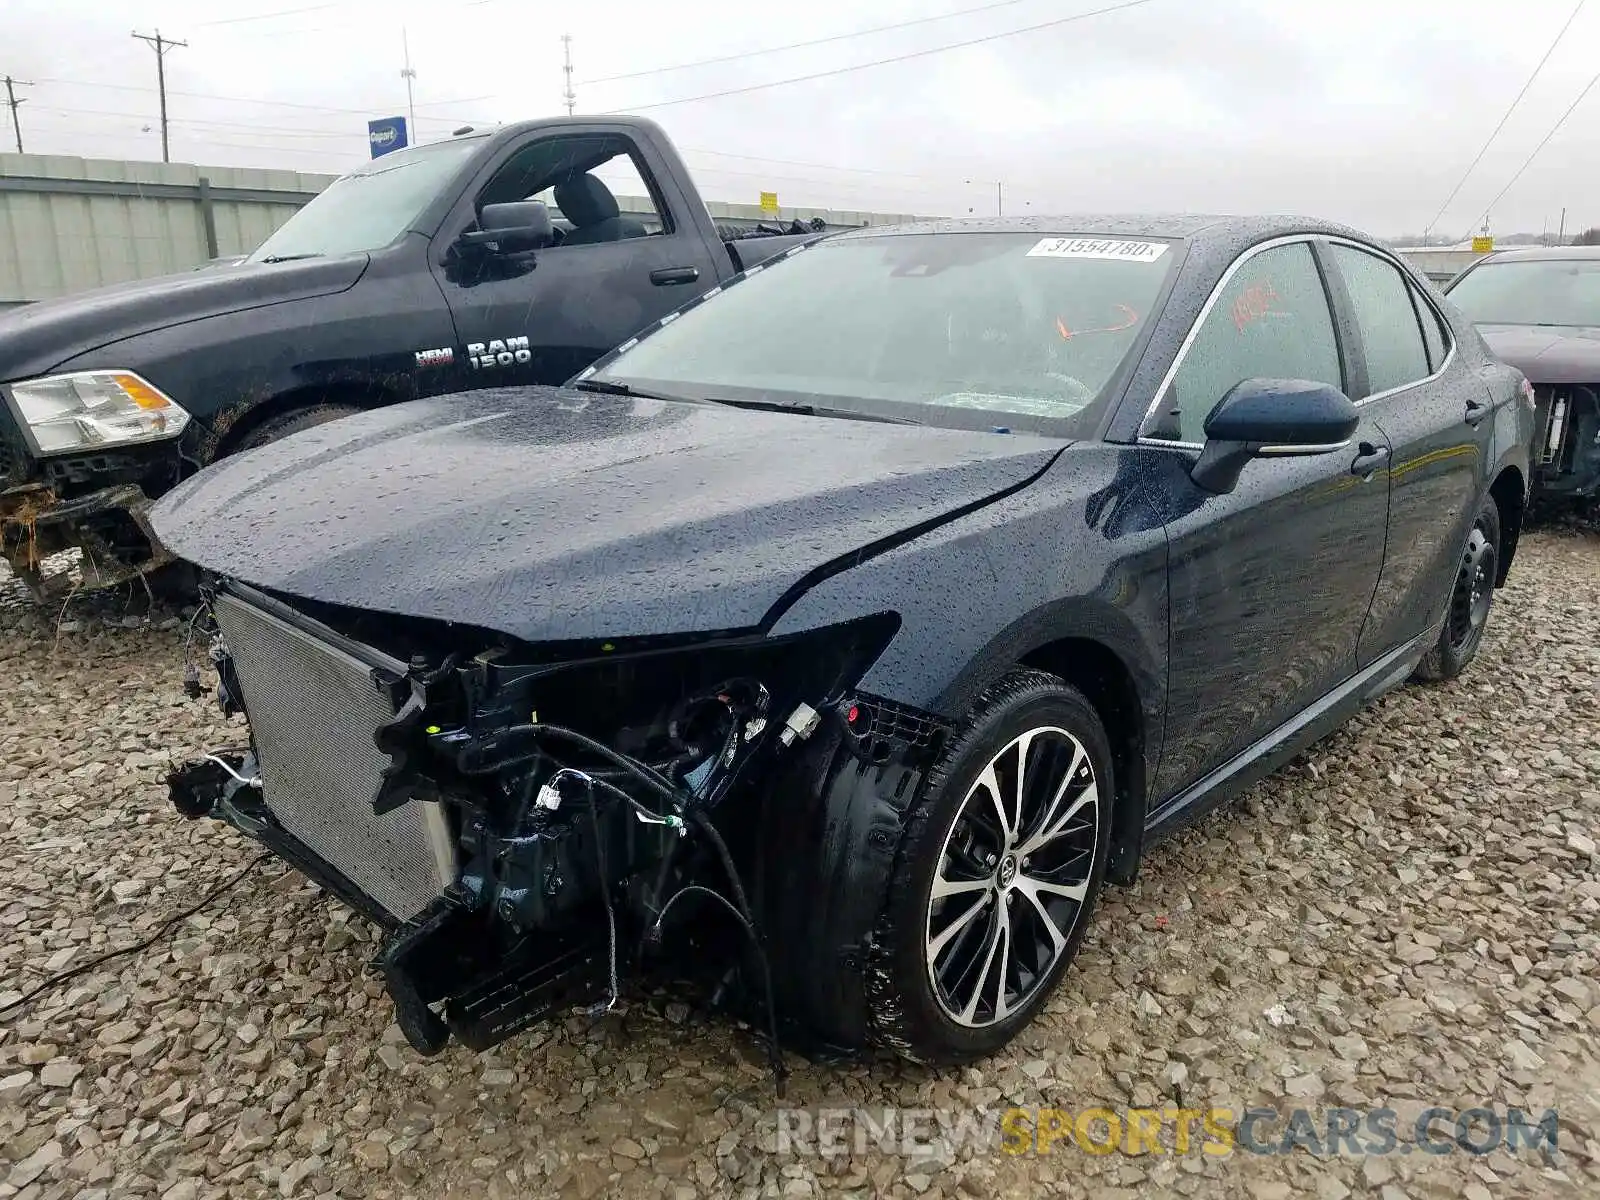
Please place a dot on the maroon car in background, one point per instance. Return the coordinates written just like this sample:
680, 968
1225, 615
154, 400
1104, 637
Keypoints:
1538, 308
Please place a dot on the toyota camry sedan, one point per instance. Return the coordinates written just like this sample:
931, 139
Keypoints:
851, 628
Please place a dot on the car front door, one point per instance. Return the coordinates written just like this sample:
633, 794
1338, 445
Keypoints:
1270, 583
1435, 412
543, 316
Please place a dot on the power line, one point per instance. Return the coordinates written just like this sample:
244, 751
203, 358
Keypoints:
13, 103
823, 41
269, 16
322, 108
881, 62
162, 45
791, 162
201, 122
1484, 149
1554, 129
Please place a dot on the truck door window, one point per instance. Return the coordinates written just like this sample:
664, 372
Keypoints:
597, 188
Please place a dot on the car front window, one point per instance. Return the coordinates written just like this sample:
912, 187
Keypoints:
1532, 292
970, 330
369, 208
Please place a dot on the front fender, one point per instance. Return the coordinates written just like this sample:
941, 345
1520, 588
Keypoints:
1079, 553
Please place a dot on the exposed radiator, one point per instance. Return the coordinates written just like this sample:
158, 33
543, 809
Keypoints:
314, 708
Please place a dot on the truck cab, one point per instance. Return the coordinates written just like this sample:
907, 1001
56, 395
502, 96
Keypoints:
493, 257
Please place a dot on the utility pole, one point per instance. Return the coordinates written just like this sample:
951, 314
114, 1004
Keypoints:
408, 75
1561, 235
12, 102
162, 45
570, 97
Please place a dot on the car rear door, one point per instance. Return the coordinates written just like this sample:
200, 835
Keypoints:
1269, 584
542, 317
1434, 411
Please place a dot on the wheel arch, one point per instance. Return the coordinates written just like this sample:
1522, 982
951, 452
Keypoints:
234, 424
1509, 492
1096, 670
1095, 646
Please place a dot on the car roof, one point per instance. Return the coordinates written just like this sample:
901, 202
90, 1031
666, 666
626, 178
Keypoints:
1542, 253
1243, 230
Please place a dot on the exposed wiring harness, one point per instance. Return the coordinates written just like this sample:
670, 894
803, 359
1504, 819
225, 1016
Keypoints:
84, 968
605, 898
681, 802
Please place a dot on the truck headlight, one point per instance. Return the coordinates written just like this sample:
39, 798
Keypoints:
88, 409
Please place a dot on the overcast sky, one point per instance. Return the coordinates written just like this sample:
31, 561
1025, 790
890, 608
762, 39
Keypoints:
1367, 113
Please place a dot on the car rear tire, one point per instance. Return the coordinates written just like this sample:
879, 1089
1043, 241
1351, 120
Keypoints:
996, 875
293, 421
1471, 598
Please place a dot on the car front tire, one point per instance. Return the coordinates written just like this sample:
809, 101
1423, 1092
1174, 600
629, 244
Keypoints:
997, 872
1471, 598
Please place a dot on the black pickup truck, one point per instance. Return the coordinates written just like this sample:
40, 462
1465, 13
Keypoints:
495, 257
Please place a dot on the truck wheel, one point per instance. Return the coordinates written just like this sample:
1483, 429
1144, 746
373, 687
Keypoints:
293, 421
1471, 597
996, 875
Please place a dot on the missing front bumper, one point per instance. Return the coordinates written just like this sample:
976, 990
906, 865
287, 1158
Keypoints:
1567, 449
110, 528
446, 969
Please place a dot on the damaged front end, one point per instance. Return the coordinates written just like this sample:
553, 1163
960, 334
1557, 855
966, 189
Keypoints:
98, 505
1567, 447
529, 822
82, 460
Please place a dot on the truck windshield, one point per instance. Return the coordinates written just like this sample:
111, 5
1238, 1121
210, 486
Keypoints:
1531, 292
970, 330
371, 207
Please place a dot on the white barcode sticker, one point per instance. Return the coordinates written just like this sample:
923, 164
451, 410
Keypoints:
1080, 247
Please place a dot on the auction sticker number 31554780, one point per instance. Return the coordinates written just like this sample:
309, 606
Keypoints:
1078, 247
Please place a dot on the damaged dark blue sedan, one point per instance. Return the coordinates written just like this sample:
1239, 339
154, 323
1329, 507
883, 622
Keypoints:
846, 631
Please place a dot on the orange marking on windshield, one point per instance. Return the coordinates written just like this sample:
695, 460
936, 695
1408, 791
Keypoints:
1068, 334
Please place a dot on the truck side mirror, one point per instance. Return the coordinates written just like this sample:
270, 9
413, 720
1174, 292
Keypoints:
512, 228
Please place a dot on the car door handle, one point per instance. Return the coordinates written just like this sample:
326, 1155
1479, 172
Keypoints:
1477, 410
1369, 459
667, 276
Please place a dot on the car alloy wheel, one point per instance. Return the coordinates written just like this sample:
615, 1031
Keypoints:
1013, 875
1474, 589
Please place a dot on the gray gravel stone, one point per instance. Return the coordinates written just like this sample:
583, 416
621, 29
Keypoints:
1416, 900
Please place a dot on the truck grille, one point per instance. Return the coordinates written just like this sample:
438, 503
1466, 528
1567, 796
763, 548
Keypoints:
313, 709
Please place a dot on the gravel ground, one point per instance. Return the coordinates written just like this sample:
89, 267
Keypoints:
1408, 915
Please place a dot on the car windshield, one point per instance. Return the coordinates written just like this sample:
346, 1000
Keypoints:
369, 208
1531, 292
971, 330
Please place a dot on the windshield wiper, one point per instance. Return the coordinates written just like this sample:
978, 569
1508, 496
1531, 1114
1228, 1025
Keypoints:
278, 258
813, 410
611, 388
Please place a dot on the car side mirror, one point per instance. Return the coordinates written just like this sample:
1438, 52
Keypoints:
512, 228
1271, 418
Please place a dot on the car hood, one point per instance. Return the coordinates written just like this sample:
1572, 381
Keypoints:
548, 514
36, 338
1547, 353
